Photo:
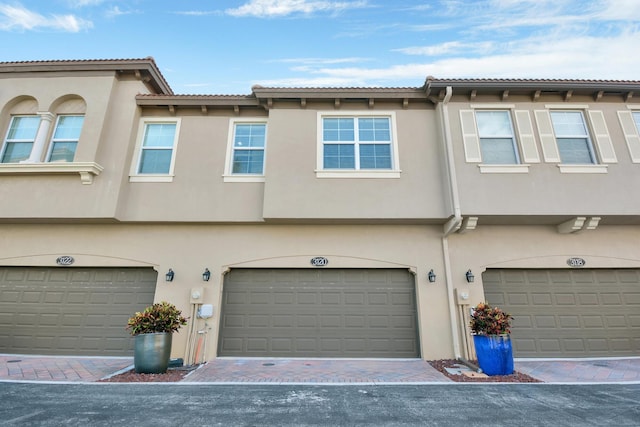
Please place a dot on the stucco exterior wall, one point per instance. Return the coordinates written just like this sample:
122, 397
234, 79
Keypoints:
189, 249
544, 189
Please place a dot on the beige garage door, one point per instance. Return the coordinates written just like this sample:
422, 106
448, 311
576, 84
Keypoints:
318, 313
569, 313
71, 311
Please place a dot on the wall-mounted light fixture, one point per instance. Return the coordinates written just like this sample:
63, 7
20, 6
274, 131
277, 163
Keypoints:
169, 276
431, 276
470, 276
206, 275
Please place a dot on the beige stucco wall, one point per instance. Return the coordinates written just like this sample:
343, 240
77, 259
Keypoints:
198, 191
544, 190
292, 189
105, 139
189, 249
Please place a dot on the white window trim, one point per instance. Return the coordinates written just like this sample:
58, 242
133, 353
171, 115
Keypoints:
573, 168
519, 168
228, 176
589, 136
567, 107
53, 133
87, 170
514, 137
5, 141
394, 172
134, 176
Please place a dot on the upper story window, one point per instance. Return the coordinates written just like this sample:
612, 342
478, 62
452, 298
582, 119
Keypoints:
246, 150
360, 145
490, 138
357, 143
578, 140
574, 143
20, 138
156, 150
497, 139
65, 139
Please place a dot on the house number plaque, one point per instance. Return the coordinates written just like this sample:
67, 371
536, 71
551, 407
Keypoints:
319, 261
576, 262
65, 260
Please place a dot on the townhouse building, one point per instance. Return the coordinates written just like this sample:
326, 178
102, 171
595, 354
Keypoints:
316, 222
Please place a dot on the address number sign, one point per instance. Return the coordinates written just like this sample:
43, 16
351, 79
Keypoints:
319, 261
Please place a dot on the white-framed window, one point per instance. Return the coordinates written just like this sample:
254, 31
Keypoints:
156, 150
359, 145
246, 150
497, 139
572, 137
65, 138
20, 139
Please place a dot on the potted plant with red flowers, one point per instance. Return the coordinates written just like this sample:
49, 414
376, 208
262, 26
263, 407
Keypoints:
491, 328
153, 329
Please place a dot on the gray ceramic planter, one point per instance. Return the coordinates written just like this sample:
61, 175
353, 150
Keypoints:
152, 353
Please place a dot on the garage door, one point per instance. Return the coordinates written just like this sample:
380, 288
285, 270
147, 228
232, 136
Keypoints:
71, 311
569, 313
318, 313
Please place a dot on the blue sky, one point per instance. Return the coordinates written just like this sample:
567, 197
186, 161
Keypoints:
226, 46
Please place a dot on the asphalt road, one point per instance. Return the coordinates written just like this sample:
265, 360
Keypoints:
451, 405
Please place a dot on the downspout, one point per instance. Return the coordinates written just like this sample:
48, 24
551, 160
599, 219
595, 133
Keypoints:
454, 223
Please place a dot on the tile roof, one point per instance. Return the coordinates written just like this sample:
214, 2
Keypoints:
147, 64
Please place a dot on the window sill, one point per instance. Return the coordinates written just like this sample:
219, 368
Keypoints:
358, 174
151, 178
243, 178
87, 170
523, 168
583, 168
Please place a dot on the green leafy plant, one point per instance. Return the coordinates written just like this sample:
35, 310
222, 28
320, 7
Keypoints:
487, 320
159, 317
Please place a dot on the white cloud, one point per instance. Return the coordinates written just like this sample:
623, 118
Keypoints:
447, 48
316, 61
580, 57
19, 18
83, 3
115, 11
273, 8
619, 10
199, 12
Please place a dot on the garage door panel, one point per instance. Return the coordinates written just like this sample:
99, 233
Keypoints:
573, 313
631, 298
328, 313
68, 311
516, 298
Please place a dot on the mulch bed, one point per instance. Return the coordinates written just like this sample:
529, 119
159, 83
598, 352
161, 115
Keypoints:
172, 375
516, 377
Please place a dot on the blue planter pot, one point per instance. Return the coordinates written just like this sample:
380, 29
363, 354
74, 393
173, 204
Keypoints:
495, 355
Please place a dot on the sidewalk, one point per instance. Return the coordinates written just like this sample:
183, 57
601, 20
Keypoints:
325, 371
